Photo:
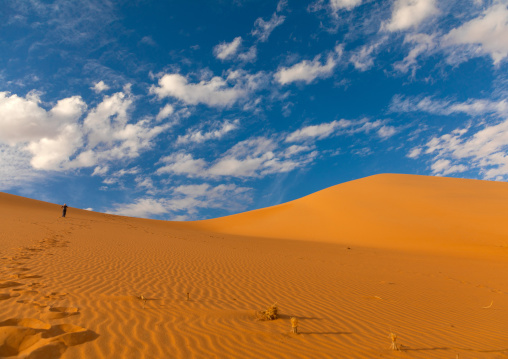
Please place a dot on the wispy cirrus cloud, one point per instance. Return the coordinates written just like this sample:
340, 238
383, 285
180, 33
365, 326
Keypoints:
472, 107
484, 149
348, 127
263, 28
251, 158
308, 71
186, 200
198, 136
225, 50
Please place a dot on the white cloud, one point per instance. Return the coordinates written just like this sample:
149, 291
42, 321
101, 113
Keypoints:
415, 152
344, 4
250, 55
188, 198
248, 158
463, 149
57, 139
333, 7
349, 127
183, 164
165, 112
225, 50
100, 170
144, 207
296, 149
100, 86
15, 168
386, 131
307, 71
111, 115
315, 131
472, 107
444, 167
423, 44
109, 134
148, 40
51, 136
145, 182
410, 13
23, 119
254, 157
281, 5
488, 32
51, 153
215, 92
363, 59
197, 136
263, 29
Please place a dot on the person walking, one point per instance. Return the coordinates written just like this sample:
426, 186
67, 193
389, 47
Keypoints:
64, 210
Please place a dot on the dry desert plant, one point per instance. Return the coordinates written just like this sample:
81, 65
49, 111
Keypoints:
294, 325
141, 297
269, 314
488, 306
394, 345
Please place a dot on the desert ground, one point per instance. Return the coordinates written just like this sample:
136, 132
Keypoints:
425, 258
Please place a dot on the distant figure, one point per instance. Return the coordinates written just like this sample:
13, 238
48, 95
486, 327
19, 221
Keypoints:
64, 211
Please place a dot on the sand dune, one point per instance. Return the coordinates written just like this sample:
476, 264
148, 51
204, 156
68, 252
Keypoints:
427, 260
390, 211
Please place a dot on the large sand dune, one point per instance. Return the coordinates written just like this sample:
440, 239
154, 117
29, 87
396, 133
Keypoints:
423, 257
390, 211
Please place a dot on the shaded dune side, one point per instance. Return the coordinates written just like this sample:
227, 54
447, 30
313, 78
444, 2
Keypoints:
389, 210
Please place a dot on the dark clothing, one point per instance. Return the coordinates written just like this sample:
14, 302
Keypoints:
64, 212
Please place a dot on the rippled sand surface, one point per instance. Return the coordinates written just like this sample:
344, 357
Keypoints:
424, 258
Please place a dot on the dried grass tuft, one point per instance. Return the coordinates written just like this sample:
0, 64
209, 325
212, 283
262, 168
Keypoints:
269, 314
394, 345
143, 299
488, 306
294, 325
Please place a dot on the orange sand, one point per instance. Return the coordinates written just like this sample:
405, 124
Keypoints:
426, 255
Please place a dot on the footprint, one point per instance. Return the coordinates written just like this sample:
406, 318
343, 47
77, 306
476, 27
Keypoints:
32, 302
71, 334
33, 338
55, 295
25, 322
15, 339
33, 276
10, 284
60, 312
4, 296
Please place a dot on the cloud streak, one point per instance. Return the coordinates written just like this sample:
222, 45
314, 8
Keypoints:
307, 71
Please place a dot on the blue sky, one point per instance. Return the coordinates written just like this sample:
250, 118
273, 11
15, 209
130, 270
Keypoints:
187, 110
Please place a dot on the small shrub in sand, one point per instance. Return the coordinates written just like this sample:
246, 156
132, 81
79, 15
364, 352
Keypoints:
394, 345
143, 299
269, 314
294, 325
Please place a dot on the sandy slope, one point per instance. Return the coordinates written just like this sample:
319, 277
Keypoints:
386, 211
426, 254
